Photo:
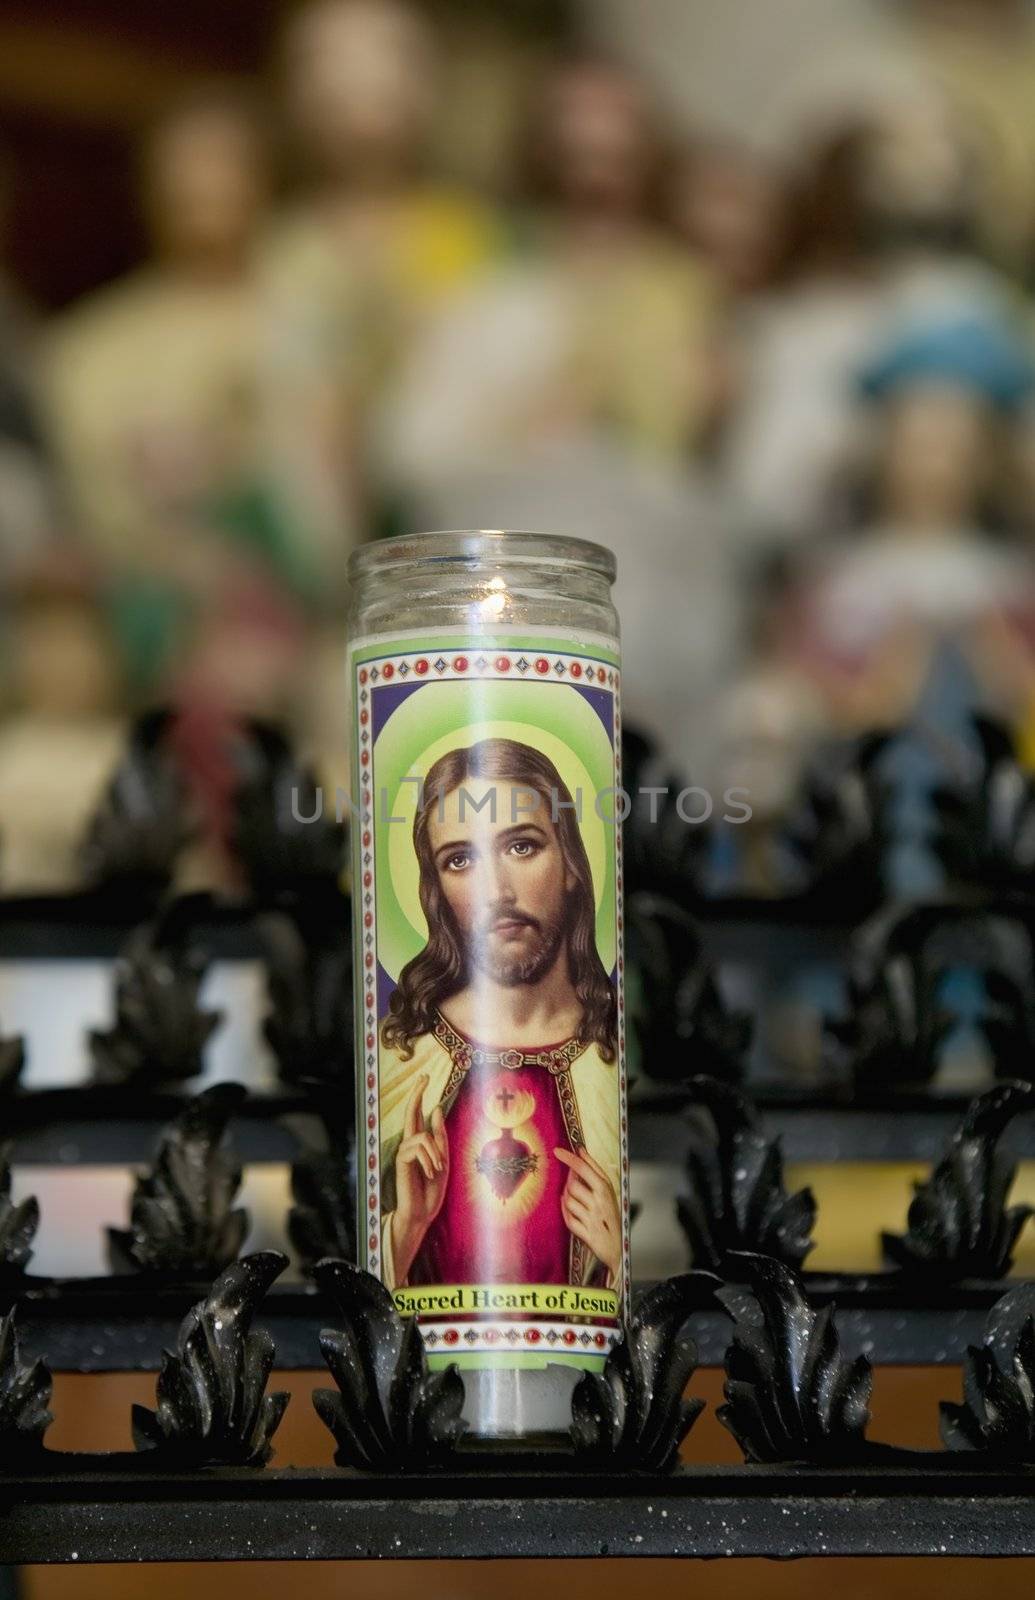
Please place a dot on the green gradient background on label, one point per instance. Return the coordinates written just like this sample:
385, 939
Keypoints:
554, 718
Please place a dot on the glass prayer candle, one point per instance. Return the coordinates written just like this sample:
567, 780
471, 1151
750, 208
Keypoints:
487, 891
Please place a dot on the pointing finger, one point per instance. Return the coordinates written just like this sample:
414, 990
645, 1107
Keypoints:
579, 1167
437, 1125
414, 1152
597, 1168
424, 1142
414, 1121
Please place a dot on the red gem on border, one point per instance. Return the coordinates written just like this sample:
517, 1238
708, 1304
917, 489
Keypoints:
371, 1080
460, 664
601, 674
387, 671
569, 1336
368, 919
532, 1336
576, 670
369, 958
371, 1162
372, 1202
372, 1241
599, 1340
450, 1336
502, 663
371, 1122
363, 675
366, 840
421, 666
490, 1336
541, 664
367, 880
364, 716
365, 758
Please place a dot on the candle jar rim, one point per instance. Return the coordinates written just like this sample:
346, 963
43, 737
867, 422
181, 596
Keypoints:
471, 546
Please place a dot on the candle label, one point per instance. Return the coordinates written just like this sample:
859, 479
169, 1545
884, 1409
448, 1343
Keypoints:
488, 928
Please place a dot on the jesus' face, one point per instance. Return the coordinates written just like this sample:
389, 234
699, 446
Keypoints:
505, 880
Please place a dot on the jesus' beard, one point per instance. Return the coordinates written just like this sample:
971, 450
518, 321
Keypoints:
527, 966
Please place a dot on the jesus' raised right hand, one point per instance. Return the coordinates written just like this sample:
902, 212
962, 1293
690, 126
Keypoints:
421, 1178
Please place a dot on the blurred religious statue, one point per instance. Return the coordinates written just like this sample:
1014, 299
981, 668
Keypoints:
929, 612
882, 223
730, 202
376, 239
155, 388
62, 734
602, 328
919, 618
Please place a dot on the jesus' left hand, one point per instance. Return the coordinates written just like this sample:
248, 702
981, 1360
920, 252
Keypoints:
589, 1207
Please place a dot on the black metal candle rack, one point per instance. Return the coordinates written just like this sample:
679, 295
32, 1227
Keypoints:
798, 1347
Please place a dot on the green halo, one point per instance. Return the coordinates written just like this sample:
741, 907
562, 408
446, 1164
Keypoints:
554, 718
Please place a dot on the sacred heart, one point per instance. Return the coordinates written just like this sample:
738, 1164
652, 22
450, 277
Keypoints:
505, 1162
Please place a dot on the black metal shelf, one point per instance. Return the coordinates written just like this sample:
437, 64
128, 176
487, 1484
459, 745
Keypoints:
94, 924
76, 1126
813, 1126
126, 1512
123, 1325
98, 1125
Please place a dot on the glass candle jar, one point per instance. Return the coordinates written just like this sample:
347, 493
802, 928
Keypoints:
487, 893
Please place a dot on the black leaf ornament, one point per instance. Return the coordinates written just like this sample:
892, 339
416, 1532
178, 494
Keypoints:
309, 977
998, 1411
737, 1200
160, 1031
213, 1408
896, 1025
320, 1221
791, 1394
986, 828
18, 1223
959, 1225
632, 1416
25, 1391
182, 1215
660, 853
142, 822
389, 1413
284, 837
837, 832
683, 1024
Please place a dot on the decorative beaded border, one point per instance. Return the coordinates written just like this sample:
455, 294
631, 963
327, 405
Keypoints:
479, 662
479, 1337
453, 663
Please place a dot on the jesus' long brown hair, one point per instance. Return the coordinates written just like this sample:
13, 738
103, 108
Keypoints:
440, 969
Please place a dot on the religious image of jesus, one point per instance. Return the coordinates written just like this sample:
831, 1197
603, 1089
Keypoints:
499, 1086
